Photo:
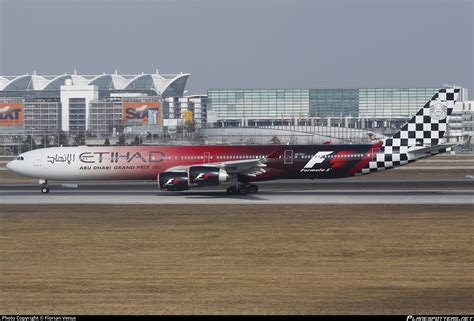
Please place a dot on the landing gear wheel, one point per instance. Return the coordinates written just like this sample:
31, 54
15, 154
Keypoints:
44, 186
252, 189
242, 190
231, 190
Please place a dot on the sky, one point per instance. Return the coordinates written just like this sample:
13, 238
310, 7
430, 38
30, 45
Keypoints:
246, 43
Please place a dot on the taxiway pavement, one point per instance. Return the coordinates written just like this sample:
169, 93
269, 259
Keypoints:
459, 191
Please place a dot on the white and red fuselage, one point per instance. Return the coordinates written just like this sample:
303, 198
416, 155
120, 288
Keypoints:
146, 162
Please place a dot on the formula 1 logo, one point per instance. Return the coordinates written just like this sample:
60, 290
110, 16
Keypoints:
318, 158
11, 114
201, 176
169, 182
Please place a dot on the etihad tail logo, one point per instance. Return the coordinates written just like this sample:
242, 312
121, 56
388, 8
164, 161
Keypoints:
438, 110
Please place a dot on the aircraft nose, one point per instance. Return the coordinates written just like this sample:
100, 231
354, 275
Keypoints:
11, 165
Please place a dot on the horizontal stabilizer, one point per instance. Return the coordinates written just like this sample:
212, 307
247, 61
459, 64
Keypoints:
430, 149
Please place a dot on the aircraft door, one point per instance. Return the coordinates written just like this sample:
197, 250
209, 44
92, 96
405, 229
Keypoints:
37, 161
207, 158
288, 157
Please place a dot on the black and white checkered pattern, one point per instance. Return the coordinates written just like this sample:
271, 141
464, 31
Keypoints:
426, 128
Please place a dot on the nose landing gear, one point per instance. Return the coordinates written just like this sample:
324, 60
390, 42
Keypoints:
44, 186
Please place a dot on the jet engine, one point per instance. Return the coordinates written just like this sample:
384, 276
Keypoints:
207, 176
173, 181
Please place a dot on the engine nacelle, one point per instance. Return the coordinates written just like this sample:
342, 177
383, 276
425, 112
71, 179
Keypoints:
207, 175
173, 181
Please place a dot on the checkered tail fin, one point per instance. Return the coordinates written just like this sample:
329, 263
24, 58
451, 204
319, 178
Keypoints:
429, 124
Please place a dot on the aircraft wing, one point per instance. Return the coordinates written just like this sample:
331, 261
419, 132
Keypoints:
247, 167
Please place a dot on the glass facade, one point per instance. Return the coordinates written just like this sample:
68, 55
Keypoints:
30, 94
382, 110
104, 116
77, 115
259, 104
334, 103
376, 103
468, 127
174, 107
388, 103
42, 117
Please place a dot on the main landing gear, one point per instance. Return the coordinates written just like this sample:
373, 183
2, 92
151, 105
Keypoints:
44, 186
242, 189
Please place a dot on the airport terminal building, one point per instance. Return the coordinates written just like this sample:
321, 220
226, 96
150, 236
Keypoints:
343, 113
95, 104
143, 104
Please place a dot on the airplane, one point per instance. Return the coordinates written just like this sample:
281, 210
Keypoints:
179, 168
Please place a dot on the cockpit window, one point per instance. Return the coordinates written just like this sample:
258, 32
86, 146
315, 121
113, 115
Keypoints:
20, 158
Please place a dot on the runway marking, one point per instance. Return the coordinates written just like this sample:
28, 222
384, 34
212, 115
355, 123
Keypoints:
453, 191
424, 196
